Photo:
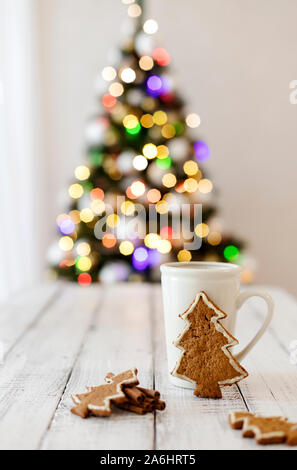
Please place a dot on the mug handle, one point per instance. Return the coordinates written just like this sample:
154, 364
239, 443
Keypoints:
241, 298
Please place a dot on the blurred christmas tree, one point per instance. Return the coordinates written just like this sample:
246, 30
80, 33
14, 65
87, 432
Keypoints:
141, 148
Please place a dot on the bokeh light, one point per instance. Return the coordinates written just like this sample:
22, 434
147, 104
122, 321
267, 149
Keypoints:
168, 131
83, 263
109, 240
150, 26
108, 100
134, 11
193, 120
201, 150
83, 249
205, 186
146, 63
98, 207
169, 180
140, 162
140, 259
84, 279
66, 243
150, 151
130, 121
128, 208
86, 215
67, 226
128, 75
161, 56
190, 168
76, 191
109, 73
97, 193
162, 207
116, 89
160, 118
202, 230
190, 185
126, 248
112, 220
214, 238
184, 256
153, 196
164, 163
231, 252
138, 188
151, 240
147, 121
164, 246
82, 172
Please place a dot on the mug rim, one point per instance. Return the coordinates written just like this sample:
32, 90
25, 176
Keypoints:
216, 267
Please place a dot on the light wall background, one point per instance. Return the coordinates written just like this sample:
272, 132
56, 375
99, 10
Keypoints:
233, 61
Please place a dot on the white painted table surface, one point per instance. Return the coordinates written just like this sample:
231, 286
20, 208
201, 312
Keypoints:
58, 338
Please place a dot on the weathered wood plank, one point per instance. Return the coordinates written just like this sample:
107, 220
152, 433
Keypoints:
21, 312
190, 422
34, 374
271, 387
120, 338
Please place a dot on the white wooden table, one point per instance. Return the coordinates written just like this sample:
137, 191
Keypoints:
60, 337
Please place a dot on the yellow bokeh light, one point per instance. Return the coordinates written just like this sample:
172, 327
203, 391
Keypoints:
82, 172
191, 168
126, 248
130, 121
116, 89
193, 120
83, 249
190, 185
214, 238
168, 131
169, 180
127, 208
160, 118
164, 246
205, 186
140, 162
76, 191
163, 151
138, 188
86, 215
202, 230
84, 263
147, 121
146, 63
150, 151
98, 207
75, 216
151, 240
128, 75
162, 207
112, 220
109, 73
66, 243
184, 256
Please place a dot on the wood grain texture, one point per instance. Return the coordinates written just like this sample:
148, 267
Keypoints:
35, 371
60, 338
120, 338
21, 311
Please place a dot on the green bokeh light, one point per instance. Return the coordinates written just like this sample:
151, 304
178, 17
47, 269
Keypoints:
164, 163
135, 130
95, 157
231, 252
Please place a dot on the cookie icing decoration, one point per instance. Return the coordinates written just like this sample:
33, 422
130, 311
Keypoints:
266, 430
206, 360
98, 400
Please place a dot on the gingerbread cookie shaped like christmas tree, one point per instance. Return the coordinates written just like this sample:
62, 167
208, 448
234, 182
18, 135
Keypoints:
206, 360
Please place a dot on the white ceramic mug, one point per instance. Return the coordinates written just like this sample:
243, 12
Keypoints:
181, 282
